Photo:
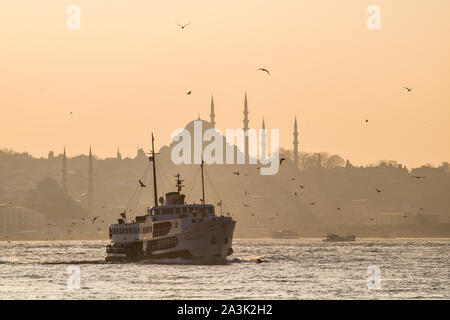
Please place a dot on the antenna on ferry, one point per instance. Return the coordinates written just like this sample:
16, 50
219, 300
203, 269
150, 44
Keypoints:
203, 186
152, 158
179, 183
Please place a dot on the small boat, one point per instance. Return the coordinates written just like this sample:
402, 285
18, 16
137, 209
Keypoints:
285, 234
333, 237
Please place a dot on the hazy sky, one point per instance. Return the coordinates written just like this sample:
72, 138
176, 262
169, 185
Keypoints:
126, 71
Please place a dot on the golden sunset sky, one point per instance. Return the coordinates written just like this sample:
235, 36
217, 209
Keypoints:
124, 74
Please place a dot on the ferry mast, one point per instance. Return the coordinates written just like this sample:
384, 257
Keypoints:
203, 186
155, 192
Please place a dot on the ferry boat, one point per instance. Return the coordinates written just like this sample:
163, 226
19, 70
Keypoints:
172, 229
332, 237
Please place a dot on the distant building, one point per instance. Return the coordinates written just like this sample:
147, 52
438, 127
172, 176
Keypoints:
15, 218
90, 183
295, 143
426, 219
64, 172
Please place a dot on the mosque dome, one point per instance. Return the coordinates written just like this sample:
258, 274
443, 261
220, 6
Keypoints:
205, 125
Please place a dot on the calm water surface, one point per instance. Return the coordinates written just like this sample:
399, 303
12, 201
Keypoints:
292, 269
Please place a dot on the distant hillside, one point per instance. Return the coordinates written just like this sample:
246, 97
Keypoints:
50, 199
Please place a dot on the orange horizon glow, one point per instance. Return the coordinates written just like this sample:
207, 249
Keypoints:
125, 73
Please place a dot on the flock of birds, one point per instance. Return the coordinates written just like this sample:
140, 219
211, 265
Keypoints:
182, 26
142, 185
313, 203
246, 193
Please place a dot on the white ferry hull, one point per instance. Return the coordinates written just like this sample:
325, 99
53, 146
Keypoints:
209, 244
200, 244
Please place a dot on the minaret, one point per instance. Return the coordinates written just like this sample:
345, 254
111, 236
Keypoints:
263, 155
212, 115
295, 143
90, 182
64, 172
119, 156
246, 128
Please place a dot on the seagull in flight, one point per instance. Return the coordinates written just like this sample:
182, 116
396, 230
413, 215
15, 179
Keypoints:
418, 177
142, 184
95, 218
409, 89
265, 70
282, 159
378, 190
182, 26
189, 92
